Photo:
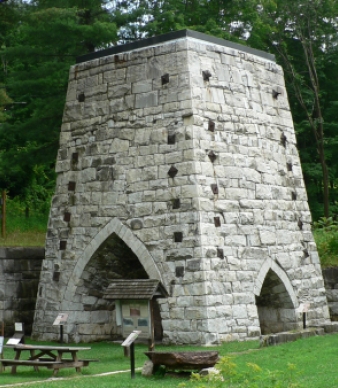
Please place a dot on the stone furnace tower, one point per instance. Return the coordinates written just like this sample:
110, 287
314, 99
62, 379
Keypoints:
178, 162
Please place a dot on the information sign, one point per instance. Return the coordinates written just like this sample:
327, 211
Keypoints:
13, 341
131, 338
129, 342
18, 327
303, 307
61, 319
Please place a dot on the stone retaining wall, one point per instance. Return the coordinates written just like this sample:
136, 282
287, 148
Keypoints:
331, 285
19, 278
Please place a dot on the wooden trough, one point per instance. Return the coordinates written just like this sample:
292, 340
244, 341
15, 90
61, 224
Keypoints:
184, 360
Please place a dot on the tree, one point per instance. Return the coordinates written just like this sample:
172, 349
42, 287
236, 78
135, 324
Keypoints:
226, 19
302, 34
48, 36
4, 102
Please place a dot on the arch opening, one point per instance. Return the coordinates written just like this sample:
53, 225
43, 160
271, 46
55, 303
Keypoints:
113, 259
275, 307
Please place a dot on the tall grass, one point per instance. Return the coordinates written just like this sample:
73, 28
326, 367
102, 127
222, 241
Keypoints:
326, 237
24, 227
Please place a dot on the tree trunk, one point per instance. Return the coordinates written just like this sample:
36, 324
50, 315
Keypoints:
319, 134
326, 182
3, 214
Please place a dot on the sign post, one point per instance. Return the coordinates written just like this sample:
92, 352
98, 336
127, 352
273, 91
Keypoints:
129, 342
304, 308
1, 351
60, 320
19, 334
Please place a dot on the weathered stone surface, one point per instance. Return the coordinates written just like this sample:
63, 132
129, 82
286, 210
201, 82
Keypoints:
19, 278
184, 360
147, 369
241, 265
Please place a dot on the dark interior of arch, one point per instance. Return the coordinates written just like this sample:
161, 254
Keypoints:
113, 260
275, 307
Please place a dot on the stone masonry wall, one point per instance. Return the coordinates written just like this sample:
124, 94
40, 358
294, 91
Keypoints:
186, 151
331, 285
19, 278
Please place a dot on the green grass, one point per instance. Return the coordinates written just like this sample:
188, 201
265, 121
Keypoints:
313, 365
111, 359
23, 239
24, 231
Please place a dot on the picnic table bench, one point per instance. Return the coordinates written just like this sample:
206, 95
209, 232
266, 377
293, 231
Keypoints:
54, 359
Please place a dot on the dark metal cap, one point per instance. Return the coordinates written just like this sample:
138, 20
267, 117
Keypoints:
173, 36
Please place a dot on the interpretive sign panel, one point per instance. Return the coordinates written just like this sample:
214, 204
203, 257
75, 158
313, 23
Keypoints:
18, 327
303, 307
61, 319
131, 338
13, 341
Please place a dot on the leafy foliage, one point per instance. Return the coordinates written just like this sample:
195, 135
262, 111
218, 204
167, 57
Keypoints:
303, 35
227, 375
38, 54
40, 39
327, 224
327, 244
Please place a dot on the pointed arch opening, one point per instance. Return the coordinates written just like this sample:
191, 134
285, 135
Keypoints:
114, 253
275, 306
114, 259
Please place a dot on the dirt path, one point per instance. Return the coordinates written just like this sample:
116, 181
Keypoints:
66, 378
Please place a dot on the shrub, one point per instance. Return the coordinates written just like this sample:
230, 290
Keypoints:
252, 377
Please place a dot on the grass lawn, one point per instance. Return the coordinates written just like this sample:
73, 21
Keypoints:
310, 363
24, 232
23, 239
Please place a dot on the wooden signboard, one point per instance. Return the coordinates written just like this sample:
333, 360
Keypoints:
136, 316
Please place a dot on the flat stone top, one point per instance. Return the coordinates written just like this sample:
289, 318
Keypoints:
173, 36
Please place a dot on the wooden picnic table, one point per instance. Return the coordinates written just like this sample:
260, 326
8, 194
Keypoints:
51, 357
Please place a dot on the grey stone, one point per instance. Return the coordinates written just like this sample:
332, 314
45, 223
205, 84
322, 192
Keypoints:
241, 267
147, 369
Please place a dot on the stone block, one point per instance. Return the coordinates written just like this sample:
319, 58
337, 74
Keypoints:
146, 100
267, 237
